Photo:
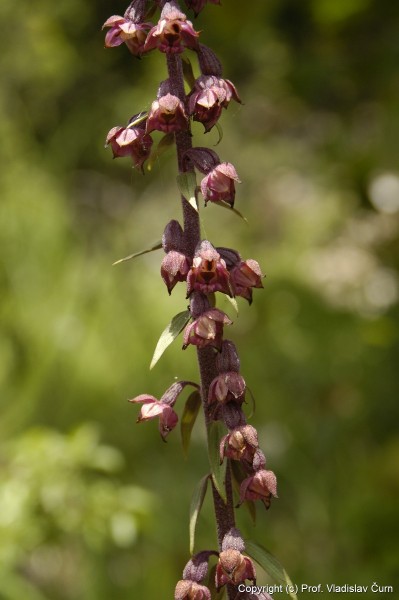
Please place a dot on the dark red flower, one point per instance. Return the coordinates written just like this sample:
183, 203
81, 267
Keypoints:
219, 184
130, 141
233, 567
156, 408
260, 486
244, 276
173, 32
126, 31
167, 114
240, 444
227, 387
174, 268
208, 97
208, 272
207, 329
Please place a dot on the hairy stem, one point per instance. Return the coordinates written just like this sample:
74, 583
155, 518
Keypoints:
206, 356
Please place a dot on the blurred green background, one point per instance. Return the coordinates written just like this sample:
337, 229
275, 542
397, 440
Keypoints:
93, 506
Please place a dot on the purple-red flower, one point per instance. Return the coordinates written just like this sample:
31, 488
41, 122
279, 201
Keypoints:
130, 141
207, 329
227, 387
167, 114
240, 444
173, 32
208, 272
245, 276
208, 97
174, 268
219, 184
156, 408
233, 567
260, 486
162, 408
191, 590
198, 5
125, 31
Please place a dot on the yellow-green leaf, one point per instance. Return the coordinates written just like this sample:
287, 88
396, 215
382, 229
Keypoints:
187, 183
189, 417
195, 508
218, 470
169, 334
271, 565
156, 246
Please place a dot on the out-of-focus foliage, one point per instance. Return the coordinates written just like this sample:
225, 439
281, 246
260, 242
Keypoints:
315, 145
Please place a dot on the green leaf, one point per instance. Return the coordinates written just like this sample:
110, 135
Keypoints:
195, 508
156, 246
218, 470
233, 302
188, 72
139, 119
270, 564
251, 414
164, 144
187, 183
220, 132
224, 204
190, 413
169, 334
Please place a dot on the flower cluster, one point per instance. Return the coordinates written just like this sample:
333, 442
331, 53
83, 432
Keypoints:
206, 270
210, 93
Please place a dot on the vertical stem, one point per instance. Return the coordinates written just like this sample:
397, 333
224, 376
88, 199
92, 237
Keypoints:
206, 356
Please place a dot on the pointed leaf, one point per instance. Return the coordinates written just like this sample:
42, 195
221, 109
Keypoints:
251, 414
224, 204
188, 72
270, 564
189, 417
220, 132
195, 508
218, 470
233, 302
156, 246
164, 144
169, 334
139, 119
187, 183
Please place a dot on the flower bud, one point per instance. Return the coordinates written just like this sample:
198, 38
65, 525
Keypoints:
260, 486
240, 444
227, 387
173, 237
190, 590
198, 5
174, 268
210, 95
130, 141
233, 568
227, 359
244, 276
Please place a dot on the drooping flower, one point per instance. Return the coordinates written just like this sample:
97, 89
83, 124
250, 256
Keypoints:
219, 184
210, 95
245, 276
207, 329
191, 590
156, 408
260, 486
167, 114
208, 273
233, 568
227, 387
124, 30
173, 32
130, 141
239, 444
162, 408
174, 268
